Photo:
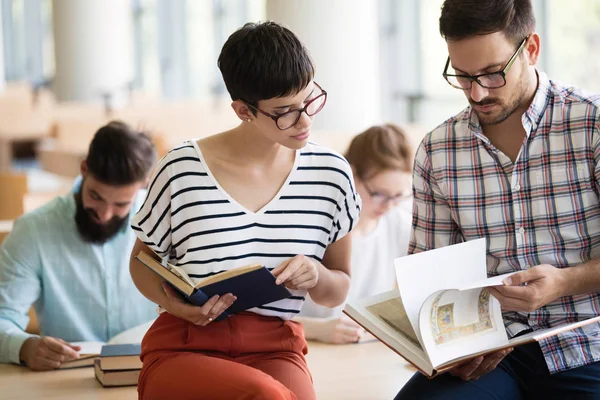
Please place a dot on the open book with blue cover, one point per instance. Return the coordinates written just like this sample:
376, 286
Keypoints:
441, 315
253, 285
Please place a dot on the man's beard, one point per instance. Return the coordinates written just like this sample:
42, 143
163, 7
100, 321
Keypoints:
91, 231
505, 110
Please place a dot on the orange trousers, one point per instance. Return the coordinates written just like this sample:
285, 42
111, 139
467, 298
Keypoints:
244, 357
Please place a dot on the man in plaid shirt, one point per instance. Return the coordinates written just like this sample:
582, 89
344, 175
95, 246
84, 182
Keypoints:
521, 167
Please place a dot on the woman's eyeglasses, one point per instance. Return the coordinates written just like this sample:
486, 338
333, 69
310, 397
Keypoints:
290, 118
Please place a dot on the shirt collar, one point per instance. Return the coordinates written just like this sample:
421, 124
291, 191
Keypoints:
537, 108
69, 198
530, 118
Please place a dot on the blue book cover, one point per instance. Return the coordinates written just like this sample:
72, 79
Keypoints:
253, 285
252, 289
120, 350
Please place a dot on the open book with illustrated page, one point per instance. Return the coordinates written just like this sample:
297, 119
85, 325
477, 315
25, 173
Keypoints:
441, 315
253, 285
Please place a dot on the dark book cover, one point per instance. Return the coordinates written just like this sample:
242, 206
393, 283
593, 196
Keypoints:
121, 350
252, 289
126, 377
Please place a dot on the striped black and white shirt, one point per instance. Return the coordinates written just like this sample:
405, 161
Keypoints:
189, 219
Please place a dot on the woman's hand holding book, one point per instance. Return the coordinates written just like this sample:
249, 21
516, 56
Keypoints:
202, 315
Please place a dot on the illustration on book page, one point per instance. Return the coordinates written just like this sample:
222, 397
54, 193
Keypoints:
455, 317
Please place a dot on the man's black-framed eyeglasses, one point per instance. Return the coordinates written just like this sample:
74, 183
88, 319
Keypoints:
290, 118
380, 199
492, 80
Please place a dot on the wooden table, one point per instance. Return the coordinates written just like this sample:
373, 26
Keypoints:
363, 371
366, 371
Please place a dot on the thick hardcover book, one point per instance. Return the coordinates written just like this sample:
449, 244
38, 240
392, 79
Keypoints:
126, 377
253, 285
120, 356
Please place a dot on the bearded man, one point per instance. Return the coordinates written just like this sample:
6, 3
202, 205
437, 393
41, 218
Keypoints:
70, 258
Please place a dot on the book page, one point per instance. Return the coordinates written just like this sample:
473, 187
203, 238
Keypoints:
180, 272
167, 272
420, 275
175, 270
457, 323
493, 281
393, 314
89, 347
382, 316
221, 276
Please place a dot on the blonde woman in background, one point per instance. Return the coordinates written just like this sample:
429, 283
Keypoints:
381, 159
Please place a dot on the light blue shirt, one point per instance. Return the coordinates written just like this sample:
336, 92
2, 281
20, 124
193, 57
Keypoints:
81, 291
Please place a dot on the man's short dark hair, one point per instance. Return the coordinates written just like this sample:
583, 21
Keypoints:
265, 60
119, 155
461, 19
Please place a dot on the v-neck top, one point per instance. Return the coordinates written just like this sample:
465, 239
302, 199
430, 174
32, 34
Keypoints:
190, 220
228, 197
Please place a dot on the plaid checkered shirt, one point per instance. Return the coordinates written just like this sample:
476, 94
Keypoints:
542, 209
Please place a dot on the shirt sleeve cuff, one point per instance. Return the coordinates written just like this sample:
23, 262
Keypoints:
15, 342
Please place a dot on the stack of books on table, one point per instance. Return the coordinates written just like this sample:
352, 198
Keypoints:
118, 365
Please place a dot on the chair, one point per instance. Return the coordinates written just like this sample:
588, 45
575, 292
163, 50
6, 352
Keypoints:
33, 326
5, 228
14, 189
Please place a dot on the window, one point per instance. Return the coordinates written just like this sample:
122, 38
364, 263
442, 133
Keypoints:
573, 42
568, 54
145, 31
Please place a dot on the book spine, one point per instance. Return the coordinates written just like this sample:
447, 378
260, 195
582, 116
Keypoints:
198, 298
